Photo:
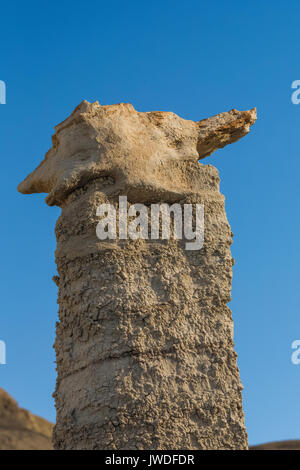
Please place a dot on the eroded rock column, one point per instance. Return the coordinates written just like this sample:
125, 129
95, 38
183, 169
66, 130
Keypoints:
145, 353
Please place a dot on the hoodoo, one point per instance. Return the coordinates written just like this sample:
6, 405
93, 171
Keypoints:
144, 346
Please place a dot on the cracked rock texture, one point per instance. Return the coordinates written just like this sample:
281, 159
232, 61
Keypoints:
145, 352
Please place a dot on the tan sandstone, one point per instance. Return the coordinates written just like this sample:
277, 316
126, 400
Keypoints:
20, 429
145, 352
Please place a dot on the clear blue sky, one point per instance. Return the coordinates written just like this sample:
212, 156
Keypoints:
196, 59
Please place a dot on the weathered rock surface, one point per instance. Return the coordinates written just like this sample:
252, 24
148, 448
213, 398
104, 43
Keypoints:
135, 149
21, 430
145, 352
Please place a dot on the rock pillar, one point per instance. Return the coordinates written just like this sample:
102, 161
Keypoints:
145, 352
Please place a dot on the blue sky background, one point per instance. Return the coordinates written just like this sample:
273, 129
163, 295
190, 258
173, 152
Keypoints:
196, 59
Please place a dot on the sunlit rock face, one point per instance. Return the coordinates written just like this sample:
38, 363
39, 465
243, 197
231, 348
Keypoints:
20, 429
145, 353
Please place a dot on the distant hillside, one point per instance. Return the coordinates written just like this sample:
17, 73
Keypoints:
280, 445
21, 430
